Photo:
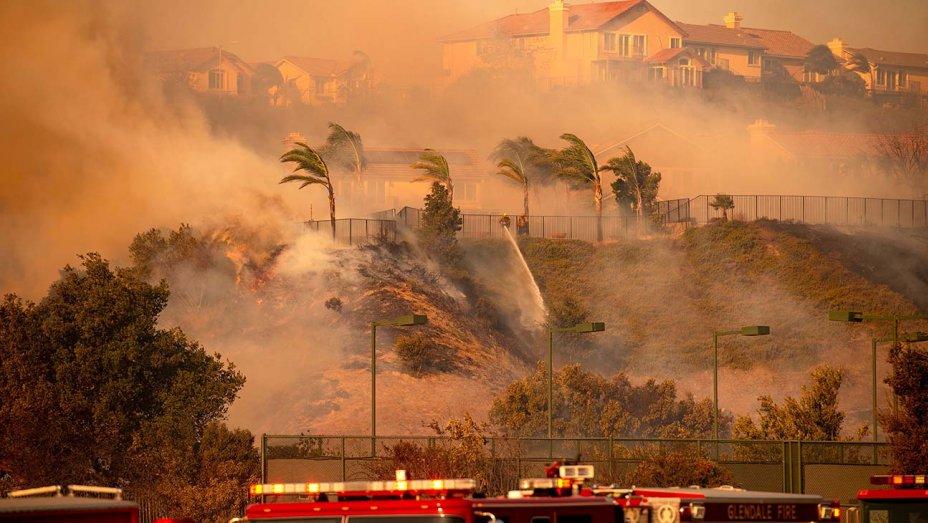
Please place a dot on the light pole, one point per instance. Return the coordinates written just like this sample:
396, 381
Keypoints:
400, 321
859, 317
753, 330
581, 328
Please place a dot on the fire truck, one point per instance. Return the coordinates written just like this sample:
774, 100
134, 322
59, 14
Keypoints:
567, 497
68, 504
904, 500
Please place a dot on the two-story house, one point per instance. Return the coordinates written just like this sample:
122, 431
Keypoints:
891, 73
206, 70
575, 44
322, 80
747, 51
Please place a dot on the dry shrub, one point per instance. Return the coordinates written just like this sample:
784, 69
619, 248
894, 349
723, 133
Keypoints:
420, 355
678, 468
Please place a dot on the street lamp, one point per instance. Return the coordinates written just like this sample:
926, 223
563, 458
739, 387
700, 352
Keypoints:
752, 330
407, 320
581, 328
859, 317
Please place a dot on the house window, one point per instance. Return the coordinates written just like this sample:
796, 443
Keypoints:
676, 42
723, 63
753, 58
470, 192
320, 84
625, 45
903, 78
641, 45
609, 42
215, 79
880, 77
240, 83
376, 191
656, 72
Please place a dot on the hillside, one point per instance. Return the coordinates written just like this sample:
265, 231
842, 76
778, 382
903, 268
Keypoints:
293, 312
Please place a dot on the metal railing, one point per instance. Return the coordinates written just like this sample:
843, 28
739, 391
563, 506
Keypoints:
762, 465
354, 231
831, 210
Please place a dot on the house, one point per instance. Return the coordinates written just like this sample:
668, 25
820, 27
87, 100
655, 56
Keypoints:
575, 44
748, 52
890, 72
205, 70
322, 81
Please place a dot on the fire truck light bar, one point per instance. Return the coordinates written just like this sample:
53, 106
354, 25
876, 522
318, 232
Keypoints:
899, 480
545, 483
432, 486
576, 471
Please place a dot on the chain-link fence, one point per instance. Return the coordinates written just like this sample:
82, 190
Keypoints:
832, 469
832, 210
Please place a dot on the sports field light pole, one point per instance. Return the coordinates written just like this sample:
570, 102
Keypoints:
401, 321
581, 328
859, 317
753, 330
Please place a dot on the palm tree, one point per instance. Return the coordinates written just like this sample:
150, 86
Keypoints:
519, 159
724, 202
345, 148
435, 168
859, 63
576, 162
636, 185
316, 173
820, 60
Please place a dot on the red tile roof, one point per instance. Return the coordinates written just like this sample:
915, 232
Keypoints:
319, 66
583, 17
186, 60
665, 55
894, 58
778, 43
394, 163
819, 144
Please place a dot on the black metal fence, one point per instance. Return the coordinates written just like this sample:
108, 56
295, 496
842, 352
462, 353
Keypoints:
354, 231
479, 226
832, 210
833, 469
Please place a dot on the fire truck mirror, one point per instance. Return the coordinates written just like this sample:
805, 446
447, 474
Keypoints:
852, 515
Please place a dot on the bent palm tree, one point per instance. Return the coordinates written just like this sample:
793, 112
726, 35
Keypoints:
434, 168
636, 185
346, 149
820, 60
576, 162
316, 173
859, 63
519, 159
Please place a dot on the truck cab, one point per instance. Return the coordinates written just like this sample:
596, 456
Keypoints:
68, 504
904, 499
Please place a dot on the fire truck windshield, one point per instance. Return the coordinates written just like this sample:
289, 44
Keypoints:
897, 512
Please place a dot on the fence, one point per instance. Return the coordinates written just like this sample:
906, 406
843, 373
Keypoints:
832, 469
832, 210
479, 226
356, 230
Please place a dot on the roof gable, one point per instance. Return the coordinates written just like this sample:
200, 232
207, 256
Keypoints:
582, 17
317, 66
187, 60
776, 42
878, 57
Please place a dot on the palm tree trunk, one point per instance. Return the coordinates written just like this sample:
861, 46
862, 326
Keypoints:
331, 208
450, 191
525, 199
640, 210
598, 201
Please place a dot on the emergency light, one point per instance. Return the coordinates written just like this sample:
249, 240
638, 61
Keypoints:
367, 488
899, 480
576, 471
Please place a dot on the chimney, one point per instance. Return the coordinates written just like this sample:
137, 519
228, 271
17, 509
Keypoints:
558, 20
837, 47
733, 20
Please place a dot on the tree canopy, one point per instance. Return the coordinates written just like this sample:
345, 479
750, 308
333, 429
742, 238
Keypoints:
636, 185
95, 392
907, 427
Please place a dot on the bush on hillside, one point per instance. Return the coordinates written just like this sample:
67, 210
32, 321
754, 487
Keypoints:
440, 223
420, 354
907, 428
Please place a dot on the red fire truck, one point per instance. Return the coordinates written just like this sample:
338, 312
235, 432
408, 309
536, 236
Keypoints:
904, 500
68, 504
566, 498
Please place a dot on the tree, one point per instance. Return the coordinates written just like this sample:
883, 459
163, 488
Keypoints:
317, 173
636, 185
844, 83
813, 416
440, 223
521, 160
907, 427
434, 168
820, 60
906, 156
723, 202
95, 392
679, 468
345, 149
269, 81
577, 162
859, 63
587, 404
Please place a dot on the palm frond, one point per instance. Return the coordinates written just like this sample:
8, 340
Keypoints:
346, 146
305, 159
433, 165
512, 170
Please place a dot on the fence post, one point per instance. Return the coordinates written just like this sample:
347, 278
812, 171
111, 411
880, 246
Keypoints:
350, 223
826, 211
344, 467
803, 209
756, 213
799, 468
781, 208
570, 221
264, 458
